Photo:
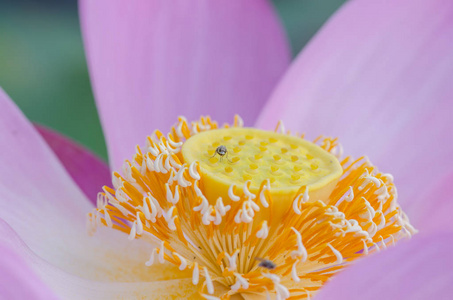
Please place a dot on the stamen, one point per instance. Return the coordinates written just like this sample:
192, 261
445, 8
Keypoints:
294, 272
301, 252
320, 215
264, 231
337, 254
209, 283
195, 274
232, 195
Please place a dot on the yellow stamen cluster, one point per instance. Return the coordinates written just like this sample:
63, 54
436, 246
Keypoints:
271, 197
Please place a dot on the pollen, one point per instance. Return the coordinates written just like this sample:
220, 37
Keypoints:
251, 211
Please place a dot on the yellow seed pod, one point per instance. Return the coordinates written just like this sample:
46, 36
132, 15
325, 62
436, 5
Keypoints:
287, 161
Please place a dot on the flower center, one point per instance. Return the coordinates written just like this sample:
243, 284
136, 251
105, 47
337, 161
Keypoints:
232, 156
249, 211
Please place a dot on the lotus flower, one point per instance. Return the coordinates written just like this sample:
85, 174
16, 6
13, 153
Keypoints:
378, 76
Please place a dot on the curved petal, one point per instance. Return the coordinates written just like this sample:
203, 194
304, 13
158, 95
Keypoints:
47, 210
69, 286
434, 213
18, 281
378, 76
419, 269
151, 61
88, 171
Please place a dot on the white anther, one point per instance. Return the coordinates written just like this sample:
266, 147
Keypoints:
221, 208
168, 216
107, 218
238, 217
127, 171
161, 252
372, 229
101, 201
162, 167
301, 251
150, 164
145, 209
156, 210
124, 211
282, 292
238, 119
183, 264
209, 284
375, 180
381, 220
167, 162
143, 167
383, 243
208, 297
247, 214
262, 195
195, 274
133, 231
173, 143
217, 218
153, 150
241, 282
150, 262
195, 128
377, 247
193, 172
253, 205
369, 179
198, 192
139, 224
180, 177
246, 190
174, 163
116, 181
337, 254
170, 197
232, 260
179, 127
273, 277
393, 240
337, 151
263, 232
158, 163
350, 195
388, 176
163, 147
370, 212
365, 247
207, 218
204, 205
121, 195
297, 203
232, 196
294, 272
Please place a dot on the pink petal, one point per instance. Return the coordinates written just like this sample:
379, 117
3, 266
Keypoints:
41, 203
88, 171
151, 61
378, 76
18, 281
419, 269
69, 286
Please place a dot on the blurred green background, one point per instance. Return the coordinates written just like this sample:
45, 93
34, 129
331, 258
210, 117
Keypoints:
43, 68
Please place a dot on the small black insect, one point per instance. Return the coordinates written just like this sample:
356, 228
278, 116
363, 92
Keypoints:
221, 151
266, 263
